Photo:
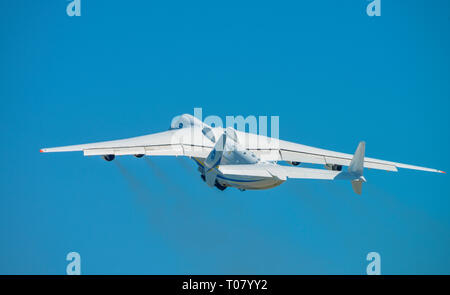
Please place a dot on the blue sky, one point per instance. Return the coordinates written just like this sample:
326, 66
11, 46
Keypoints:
332, 74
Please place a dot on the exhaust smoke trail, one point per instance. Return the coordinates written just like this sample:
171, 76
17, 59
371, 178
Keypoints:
164, 178
185, 165
187, 224
138, 188
152, 205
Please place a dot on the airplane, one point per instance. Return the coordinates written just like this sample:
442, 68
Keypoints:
230, 158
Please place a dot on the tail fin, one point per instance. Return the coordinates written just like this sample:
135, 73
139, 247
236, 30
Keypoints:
356, 168
357, 164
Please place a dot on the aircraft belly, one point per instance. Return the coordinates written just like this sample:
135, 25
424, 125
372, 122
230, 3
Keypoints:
244, 182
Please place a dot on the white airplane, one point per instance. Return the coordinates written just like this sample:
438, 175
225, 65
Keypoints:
230, 158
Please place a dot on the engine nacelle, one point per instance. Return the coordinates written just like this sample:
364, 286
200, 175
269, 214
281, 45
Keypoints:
185, 121
109, 158
139, 155
294, 163
334, 167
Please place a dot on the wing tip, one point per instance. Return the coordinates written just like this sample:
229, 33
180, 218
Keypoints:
440, 171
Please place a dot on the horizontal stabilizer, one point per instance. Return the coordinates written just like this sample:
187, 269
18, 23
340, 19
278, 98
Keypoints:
281, 172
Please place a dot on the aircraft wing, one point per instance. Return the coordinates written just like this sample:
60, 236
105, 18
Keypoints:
301, 153
178, 142
271, 149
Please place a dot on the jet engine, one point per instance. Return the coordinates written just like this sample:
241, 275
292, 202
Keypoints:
333, 167
109, 158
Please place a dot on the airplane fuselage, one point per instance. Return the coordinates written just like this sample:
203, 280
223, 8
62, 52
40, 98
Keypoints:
235, 155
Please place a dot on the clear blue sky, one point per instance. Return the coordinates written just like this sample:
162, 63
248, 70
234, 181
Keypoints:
334, 76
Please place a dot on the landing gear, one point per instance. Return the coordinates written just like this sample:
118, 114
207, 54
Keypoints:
219, 186
139, 155
333, 167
